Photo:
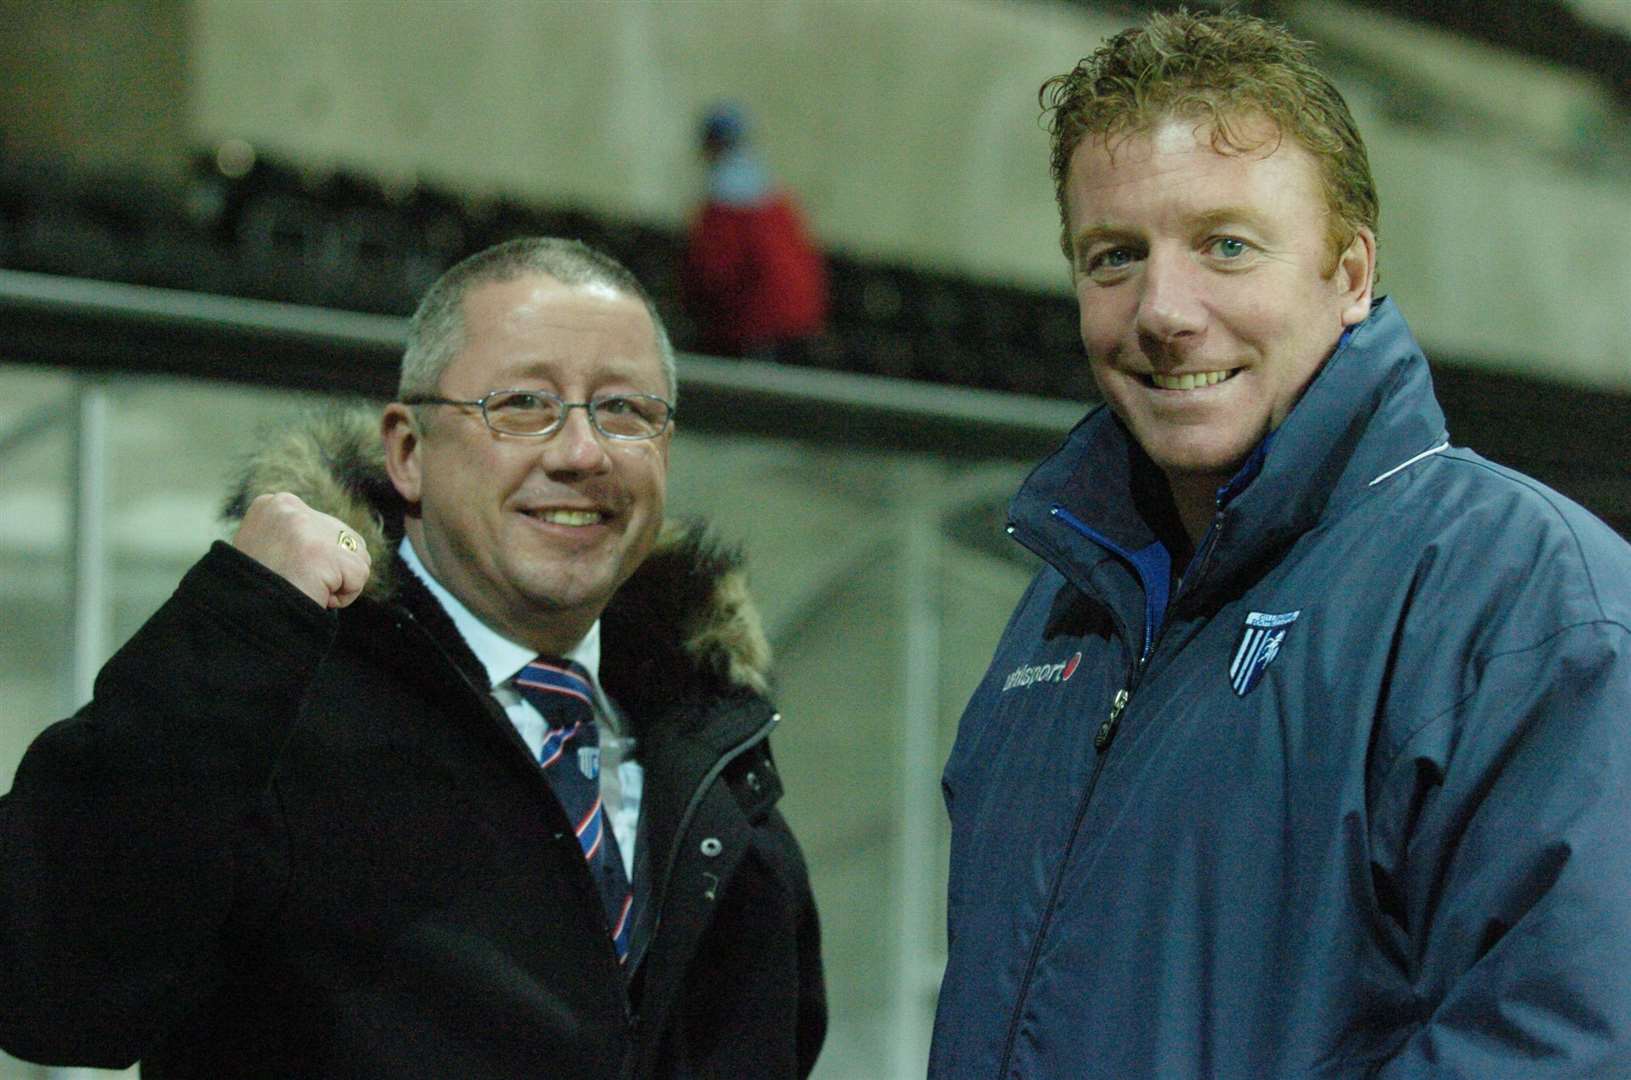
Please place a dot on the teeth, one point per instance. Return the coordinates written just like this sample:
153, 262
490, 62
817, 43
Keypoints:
570, 517
1190, 380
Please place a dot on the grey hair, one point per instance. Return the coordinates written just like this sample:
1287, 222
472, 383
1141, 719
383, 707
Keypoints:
436, 331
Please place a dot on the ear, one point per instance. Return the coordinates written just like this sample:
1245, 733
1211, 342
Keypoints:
1356, 276
402, 439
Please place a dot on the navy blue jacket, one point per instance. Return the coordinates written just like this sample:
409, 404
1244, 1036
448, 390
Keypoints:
1353, 799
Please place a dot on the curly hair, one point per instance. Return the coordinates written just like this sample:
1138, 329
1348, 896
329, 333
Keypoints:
1224, 70
436, 331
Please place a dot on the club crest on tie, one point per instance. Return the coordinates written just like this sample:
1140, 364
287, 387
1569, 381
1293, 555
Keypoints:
1260, 643
589, 761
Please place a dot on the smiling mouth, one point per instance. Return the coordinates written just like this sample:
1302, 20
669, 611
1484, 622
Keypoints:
576, 518
1193, 380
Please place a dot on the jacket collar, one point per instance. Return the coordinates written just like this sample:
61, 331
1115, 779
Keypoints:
681, 631
1370, 408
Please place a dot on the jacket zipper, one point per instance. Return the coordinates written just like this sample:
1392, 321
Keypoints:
659, 891
1101, 743
1102, 738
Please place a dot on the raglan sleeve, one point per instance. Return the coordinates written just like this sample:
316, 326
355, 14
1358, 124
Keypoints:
1510, 813
126, 839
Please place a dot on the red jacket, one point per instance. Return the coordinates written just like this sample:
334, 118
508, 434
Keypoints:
752, 278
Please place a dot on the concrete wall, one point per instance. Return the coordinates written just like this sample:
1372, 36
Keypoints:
98, 85
908, 129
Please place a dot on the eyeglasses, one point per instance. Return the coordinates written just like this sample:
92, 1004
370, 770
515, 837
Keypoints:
625, 417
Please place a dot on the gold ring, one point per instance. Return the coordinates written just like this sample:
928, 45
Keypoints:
347, 541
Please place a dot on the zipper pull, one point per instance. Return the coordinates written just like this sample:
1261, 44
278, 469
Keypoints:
1107, 730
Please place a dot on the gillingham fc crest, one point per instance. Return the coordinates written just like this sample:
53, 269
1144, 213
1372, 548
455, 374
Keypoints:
1260, 643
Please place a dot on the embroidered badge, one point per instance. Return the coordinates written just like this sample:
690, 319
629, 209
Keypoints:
1259, 644
589, 761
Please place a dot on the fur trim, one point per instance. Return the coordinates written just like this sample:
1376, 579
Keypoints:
695, 585
334, 460
682, 625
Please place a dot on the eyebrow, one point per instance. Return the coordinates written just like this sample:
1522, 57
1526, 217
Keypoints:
1229, 215
1202, 222
1100, 233
617, 369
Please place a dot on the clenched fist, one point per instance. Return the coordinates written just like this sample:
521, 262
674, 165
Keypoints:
317, 554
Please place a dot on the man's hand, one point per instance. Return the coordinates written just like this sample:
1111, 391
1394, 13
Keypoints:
317, 554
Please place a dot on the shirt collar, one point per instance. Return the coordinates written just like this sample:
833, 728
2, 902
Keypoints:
500, 657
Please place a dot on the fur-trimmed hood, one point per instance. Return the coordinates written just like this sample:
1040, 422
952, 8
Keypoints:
683, 625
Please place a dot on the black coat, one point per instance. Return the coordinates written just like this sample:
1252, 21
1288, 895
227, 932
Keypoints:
285, 842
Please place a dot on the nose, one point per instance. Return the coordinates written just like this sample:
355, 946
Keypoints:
1170, 304
575, 447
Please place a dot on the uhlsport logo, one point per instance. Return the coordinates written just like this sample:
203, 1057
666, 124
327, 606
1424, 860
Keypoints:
1031, 674
1259, 644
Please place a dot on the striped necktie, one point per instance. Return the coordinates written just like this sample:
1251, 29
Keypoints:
561, 691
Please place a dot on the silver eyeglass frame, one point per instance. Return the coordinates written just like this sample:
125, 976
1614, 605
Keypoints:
566, 408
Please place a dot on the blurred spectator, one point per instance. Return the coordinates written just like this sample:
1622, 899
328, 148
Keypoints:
752, 280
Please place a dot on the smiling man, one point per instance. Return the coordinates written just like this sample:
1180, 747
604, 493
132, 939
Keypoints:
1327, 769
454, 763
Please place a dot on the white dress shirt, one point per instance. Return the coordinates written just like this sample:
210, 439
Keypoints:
621, 778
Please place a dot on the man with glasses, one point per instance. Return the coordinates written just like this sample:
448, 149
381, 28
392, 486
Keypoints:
453, 763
